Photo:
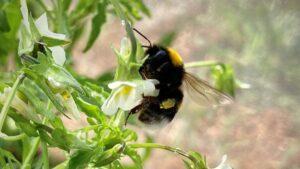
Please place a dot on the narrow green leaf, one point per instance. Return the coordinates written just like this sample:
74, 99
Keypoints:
80, 159
54, 42
4, 26
8, 155
97, 22
168, 38
66, 4
25, 125
90, 109
141, 5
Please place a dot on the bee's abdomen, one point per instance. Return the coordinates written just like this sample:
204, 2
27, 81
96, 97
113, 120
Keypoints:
164, 107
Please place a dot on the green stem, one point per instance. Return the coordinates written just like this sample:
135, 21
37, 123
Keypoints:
159, 146
201, 64
10, 99
27, 162
13, 138
45, 155
119, 119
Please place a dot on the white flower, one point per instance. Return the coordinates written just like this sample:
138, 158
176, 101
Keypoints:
127, 95
41, 24
223, 165
18, 104
58, 54
69, 103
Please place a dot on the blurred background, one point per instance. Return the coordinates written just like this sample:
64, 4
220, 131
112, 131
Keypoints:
261, 40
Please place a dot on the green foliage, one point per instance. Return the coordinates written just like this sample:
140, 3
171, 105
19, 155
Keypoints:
45, 90
98, 20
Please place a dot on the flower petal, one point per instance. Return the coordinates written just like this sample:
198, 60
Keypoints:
58, 54
72, 107
117, 84
223, 165
43, 27
147, 87
111, 104
130, 100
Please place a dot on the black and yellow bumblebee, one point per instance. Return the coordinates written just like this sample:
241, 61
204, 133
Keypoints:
165, 65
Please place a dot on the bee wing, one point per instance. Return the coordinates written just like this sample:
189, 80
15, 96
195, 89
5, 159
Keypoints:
204, 94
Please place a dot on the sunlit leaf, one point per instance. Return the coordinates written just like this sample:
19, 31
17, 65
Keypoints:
97, 22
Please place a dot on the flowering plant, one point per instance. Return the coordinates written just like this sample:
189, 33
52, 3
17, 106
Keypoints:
44, 88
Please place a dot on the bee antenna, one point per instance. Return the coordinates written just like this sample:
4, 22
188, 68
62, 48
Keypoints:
150, 45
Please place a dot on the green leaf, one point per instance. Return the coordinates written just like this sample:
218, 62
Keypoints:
97, 22
117, 165
198, 160
35, 101
26, 43
90, 109
224, 78
4, 26
41, 82
109, 156
66, 4
46, 137
188, 164
141, 5
54, 42
129, 135
168, 38
135, 157
24, 124
33, 29
80, 159
8, 155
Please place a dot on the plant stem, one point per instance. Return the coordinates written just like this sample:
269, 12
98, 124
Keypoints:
119, 119
45, 155
13, 138
9, 100
154, 145
202, 64
27, 162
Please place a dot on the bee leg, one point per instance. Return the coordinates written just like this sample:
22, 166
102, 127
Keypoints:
133, 111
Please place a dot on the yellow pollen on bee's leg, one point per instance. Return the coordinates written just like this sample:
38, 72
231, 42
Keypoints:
169, 103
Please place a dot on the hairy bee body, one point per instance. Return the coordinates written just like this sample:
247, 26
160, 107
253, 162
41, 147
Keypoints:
166, 66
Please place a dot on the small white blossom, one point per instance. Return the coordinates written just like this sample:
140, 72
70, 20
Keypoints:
18, 104
223, 165
58, 54
127, 95
42, 26
69, 103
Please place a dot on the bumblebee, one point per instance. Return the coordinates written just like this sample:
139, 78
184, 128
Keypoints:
165, 65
